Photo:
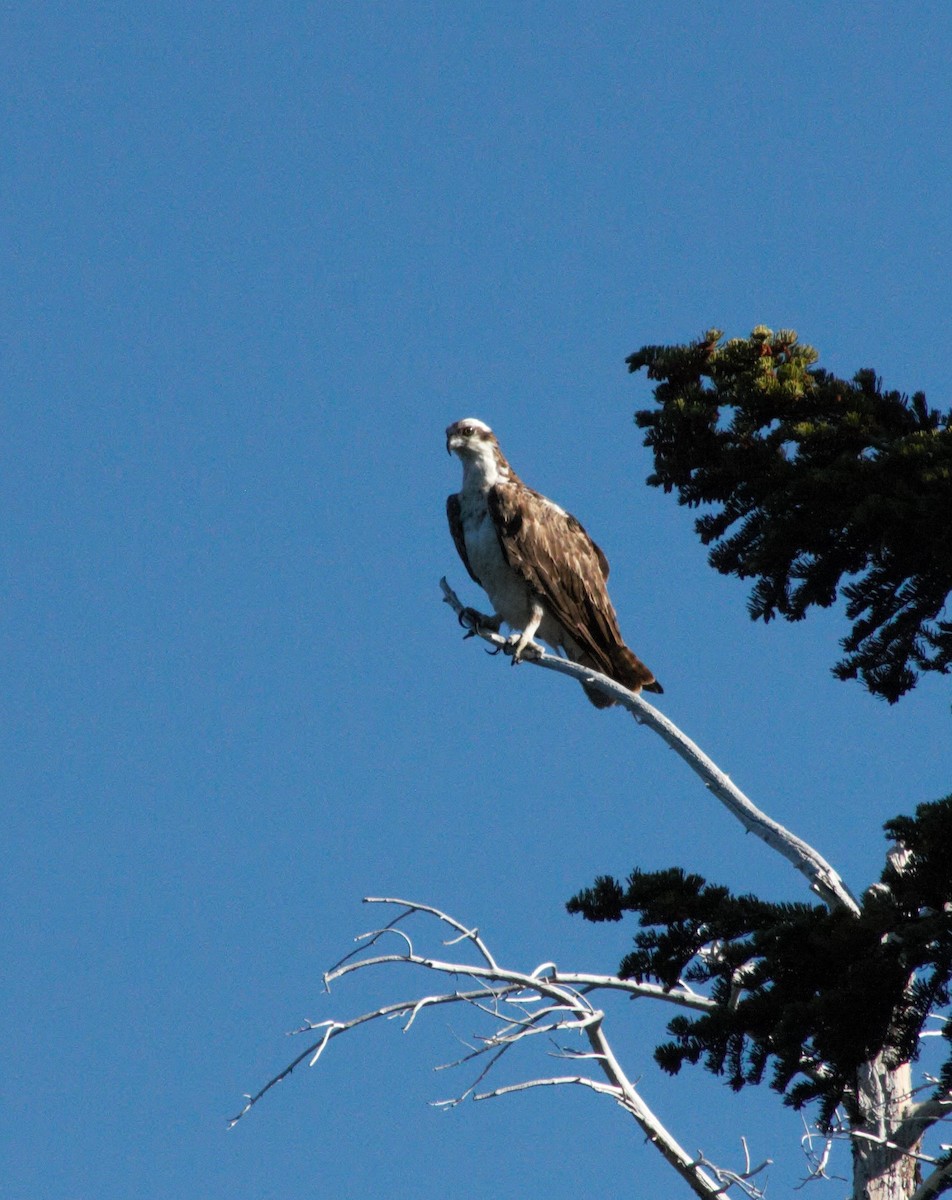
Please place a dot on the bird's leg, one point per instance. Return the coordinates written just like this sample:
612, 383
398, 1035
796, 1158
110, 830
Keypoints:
524, 639
475, 622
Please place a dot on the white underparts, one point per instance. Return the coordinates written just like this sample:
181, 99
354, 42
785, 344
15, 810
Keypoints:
508, 591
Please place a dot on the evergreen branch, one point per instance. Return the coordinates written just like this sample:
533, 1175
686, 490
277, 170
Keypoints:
819, 487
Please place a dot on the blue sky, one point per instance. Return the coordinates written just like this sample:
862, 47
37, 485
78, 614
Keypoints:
256, 259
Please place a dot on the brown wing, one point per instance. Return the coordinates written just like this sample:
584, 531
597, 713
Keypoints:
559, 561
456, 529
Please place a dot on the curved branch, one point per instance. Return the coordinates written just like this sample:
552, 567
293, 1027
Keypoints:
604, 1089
409, 908
823, 879
465, 934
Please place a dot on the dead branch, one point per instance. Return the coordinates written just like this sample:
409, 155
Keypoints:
823, 879
817, 1162
522, 1005
920, 1117
740, 1179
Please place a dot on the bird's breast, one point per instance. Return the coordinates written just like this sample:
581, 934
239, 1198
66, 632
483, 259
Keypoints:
505, 587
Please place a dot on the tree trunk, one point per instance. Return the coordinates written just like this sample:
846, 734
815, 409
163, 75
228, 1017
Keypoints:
881, 1169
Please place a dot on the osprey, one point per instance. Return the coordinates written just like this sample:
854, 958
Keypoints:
541, 570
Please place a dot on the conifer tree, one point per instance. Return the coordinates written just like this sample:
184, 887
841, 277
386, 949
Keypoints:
817, 487
812, 992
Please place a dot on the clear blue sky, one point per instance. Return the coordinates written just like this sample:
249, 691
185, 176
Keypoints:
256, 257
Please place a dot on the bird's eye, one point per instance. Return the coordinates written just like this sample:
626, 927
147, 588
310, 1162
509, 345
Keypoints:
467, 431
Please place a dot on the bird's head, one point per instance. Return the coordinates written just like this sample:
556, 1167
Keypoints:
470, 439
475, 445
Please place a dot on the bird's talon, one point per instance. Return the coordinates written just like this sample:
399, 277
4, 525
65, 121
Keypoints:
477, 623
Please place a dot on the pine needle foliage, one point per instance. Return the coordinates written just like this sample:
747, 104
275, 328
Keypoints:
819, 488
810, 993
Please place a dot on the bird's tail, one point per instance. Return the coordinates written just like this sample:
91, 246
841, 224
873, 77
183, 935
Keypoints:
625, 668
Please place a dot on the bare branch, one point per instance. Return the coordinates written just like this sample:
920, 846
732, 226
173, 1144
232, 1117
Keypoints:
890, 1144
333, 1028
555, 1081
504, 995
561, 982
452, 1103
920, 1117
682, 995
370, 939
818, 1162
465, 934
740, 1179
823, 879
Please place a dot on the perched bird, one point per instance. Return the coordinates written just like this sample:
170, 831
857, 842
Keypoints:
541, 570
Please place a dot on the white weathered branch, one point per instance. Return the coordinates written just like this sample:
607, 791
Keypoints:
580, 983
463, 934
823, 879
741, 1179
920, 1117
508, 997
604, 1089
817, 1162
333, 1029
890, 1144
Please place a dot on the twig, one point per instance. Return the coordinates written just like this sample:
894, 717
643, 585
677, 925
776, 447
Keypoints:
740, 1179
